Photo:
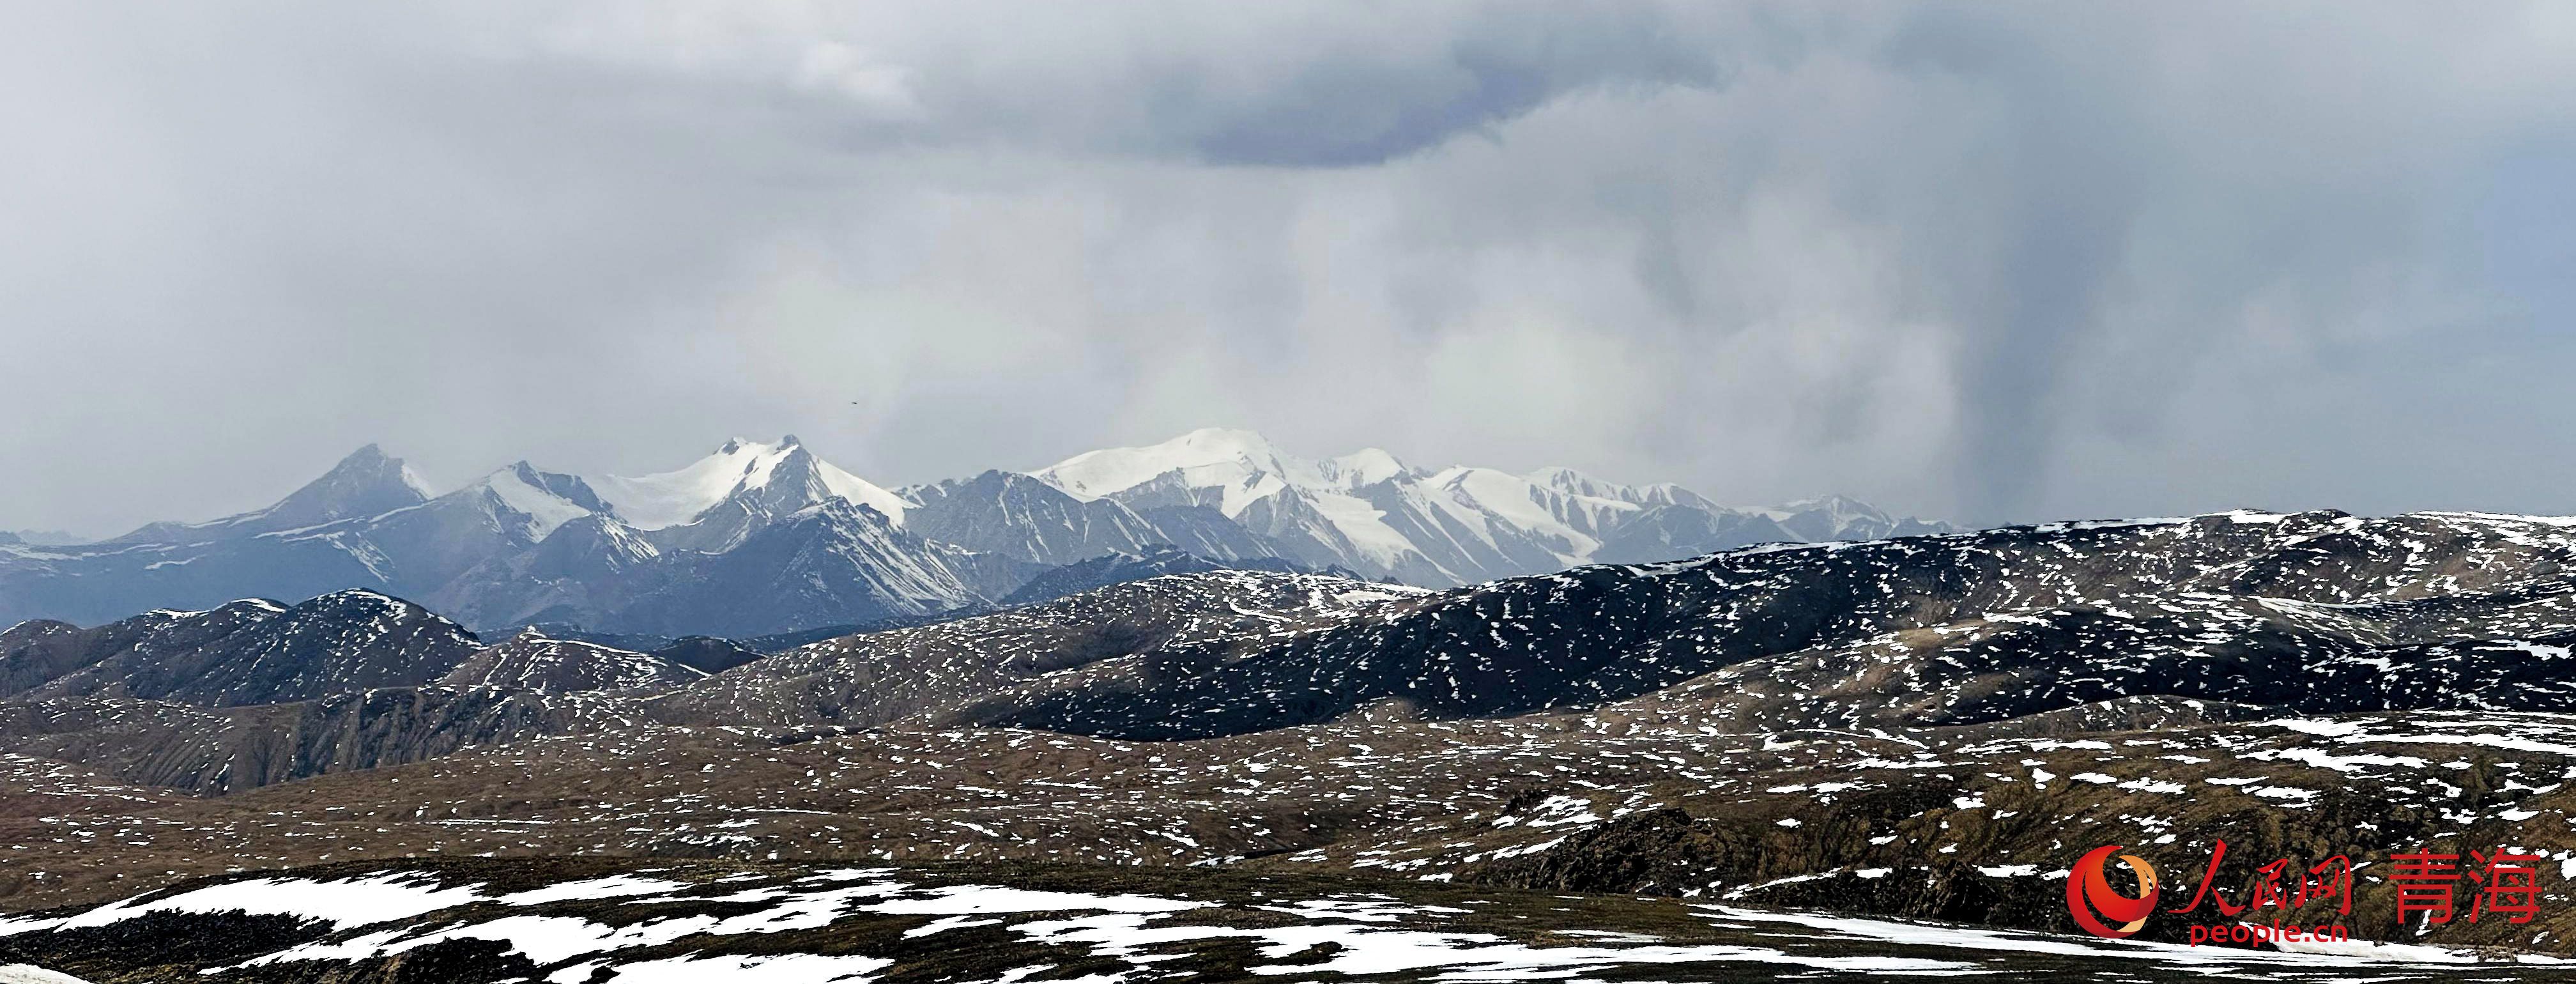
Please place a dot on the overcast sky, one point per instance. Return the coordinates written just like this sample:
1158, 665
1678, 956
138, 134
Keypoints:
1986, 262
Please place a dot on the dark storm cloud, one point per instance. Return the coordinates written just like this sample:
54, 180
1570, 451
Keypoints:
2050, 245
1993, 262
1341, 110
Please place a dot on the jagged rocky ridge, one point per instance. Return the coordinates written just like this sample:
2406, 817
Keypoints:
759, 539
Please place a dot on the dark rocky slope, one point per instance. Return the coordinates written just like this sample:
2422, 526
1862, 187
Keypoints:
2293, 610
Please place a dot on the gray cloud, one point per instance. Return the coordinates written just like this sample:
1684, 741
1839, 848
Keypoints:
1991, 262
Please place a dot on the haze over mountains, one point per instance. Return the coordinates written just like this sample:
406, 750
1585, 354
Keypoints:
759, 538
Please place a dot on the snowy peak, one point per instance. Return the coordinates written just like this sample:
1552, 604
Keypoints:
366, 483
784, 481
569, 488
741, 468
766, 536
1837, 517
1240, 464
1366, 466
670, 498
1834, 506
1669, 494
1239, 467
1571, 482
1370, 512
1025, 518
534, 502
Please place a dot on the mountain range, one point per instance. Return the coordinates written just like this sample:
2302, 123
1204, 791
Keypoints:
2314, 613
762, 538
1921, 726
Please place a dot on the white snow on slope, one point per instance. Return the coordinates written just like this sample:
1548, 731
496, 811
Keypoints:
29, 974
1554, 515
1470, 512
545, 510
1241, 462
670, 498
1369, 935
412, 480
863, 492
346, 903
1243, 468
610, 887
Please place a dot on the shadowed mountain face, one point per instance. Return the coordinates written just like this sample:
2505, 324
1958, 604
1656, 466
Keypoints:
827, 562
885, 676
767, 538
246, 652
365, 525
1013, 514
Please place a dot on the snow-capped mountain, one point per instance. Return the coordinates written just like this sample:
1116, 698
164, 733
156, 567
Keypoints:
1023, 517
1370, 512
767, 537
751, 539
770, 475
366, 483
367, 523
